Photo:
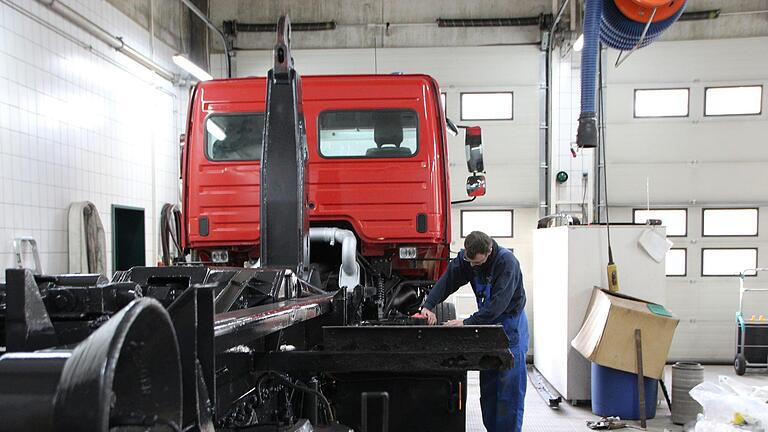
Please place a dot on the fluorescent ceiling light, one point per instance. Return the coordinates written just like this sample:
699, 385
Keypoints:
579, 44
215, 130
192, 68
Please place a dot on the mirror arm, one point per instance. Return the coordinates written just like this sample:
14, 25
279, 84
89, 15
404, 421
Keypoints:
464, 201
452, 128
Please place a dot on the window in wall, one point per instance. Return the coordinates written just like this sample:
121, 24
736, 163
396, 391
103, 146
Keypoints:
661, 102
727, 262
234, 137
390, 133
730, 222
723, 101
486, 106
495, 223
676, 262
676, 220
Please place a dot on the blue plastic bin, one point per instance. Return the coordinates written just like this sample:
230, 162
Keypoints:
614, 393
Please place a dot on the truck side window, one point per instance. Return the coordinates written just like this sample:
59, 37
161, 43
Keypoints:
234, 137
385, 133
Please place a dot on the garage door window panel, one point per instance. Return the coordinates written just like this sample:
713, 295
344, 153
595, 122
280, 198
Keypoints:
727, 261
731, 101
675, 220
656, 103
487, 106
730, 222
495, 223
676, 262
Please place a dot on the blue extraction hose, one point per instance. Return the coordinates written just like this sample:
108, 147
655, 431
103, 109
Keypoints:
587, 132
604, 22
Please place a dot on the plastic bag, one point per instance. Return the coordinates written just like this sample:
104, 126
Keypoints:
743, 389
730, 406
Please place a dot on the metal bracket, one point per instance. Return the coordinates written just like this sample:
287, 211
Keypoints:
18, 251
192, 317
383, 419
27, 324
544, 388
283, 58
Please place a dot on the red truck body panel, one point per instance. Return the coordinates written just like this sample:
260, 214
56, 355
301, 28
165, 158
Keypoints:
379, 198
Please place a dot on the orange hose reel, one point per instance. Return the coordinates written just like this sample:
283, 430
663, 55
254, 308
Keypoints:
641, 10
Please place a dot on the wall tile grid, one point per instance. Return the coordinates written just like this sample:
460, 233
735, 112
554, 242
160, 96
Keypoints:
80, 125
566, 106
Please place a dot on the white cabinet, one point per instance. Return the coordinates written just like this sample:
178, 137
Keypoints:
568, 262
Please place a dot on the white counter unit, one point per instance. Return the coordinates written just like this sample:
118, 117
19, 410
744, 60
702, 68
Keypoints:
568, 262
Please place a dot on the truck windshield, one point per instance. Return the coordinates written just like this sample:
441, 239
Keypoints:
234, 137
385, 133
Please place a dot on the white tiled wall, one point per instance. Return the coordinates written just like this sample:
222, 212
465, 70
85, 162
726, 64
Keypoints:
79, 124
566, 105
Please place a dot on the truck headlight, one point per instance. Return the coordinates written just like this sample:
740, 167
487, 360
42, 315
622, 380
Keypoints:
408, 252
220, 256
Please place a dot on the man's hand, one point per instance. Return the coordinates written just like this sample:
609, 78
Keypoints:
429, 315
455, 323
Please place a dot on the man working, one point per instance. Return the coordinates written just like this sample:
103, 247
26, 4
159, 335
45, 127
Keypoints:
495, 276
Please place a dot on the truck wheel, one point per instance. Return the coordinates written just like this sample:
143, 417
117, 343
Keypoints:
445, 312
740, 364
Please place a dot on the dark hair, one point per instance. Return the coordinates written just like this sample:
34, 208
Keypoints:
477, 242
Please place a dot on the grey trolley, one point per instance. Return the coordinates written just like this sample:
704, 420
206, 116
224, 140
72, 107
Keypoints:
751, 335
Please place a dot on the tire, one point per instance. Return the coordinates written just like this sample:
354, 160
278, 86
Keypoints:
445, 312
740, 364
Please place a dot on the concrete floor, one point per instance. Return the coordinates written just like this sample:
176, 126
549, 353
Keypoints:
540, 418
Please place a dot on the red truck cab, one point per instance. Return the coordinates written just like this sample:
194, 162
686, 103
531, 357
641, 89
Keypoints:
377, 163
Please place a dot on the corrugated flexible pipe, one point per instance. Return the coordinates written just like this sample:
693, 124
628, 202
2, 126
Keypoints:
586, 136
113, 41
349, 273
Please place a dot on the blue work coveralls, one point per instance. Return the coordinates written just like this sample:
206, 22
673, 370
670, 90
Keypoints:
498, 287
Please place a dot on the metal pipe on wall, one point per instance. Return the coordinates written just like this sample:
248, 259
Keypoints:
115, 42
207, 21
545, 151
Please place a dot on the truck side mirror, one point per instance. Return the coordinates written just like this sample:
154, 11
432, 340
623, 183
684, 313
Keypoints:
473, 144
452, 128
476, 185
